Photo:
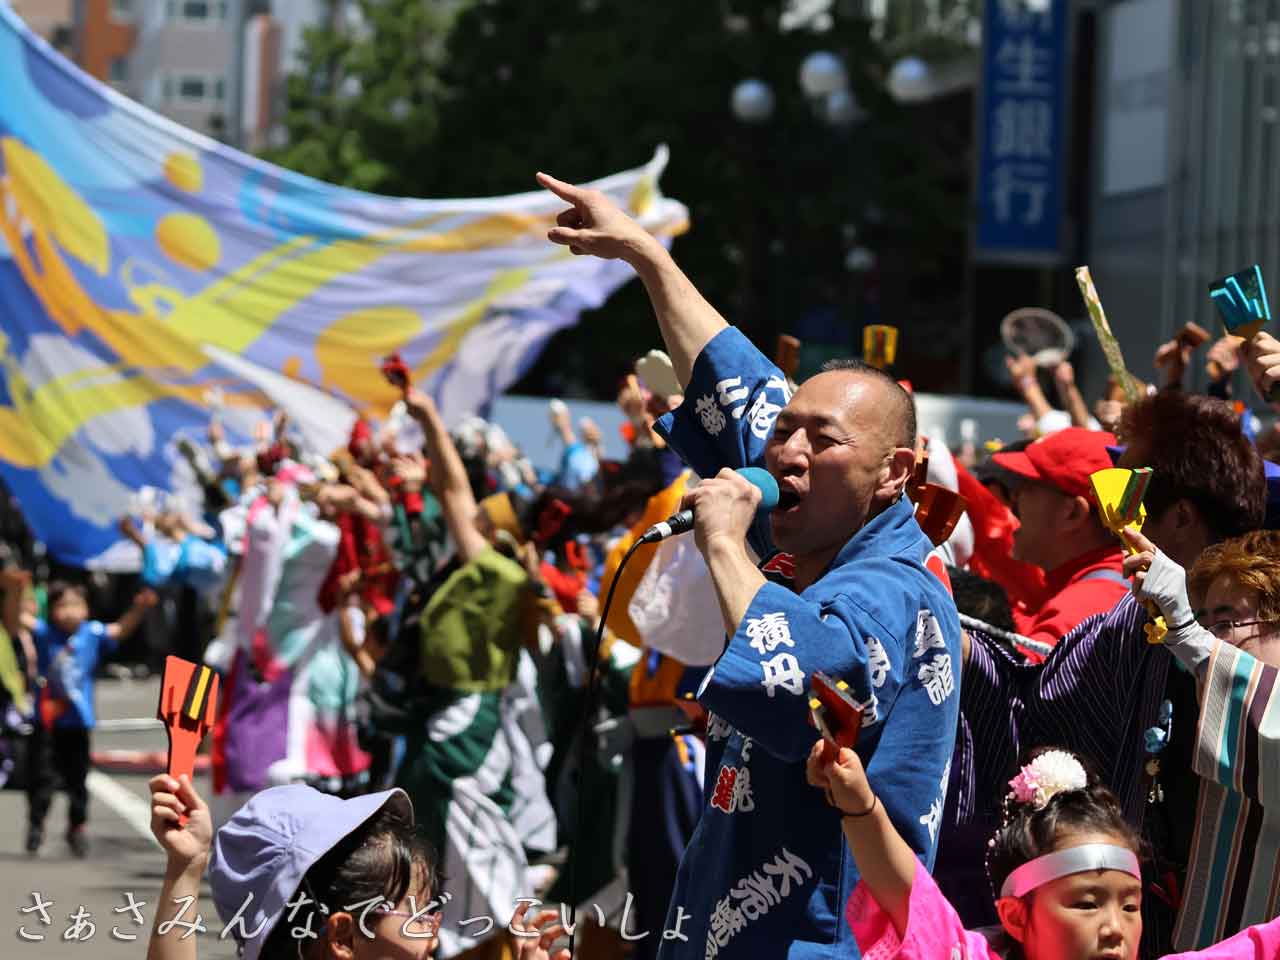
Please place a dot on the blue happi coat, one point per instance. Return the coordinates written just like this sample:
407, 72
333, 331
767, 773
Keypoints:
767, 872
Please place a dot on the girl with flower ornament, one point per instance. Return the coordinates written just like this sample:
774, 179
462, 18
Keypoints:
1064, 868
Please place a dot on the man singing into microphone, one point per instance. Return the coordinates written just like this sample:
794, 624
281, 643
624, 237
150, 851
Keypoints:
766, 874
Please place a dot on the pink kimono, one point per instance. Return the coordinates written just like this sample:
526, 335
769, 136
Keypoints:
934, 931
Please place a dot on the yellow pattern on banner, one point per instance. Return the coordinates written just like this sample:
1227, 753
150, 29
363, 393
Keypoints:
142, 266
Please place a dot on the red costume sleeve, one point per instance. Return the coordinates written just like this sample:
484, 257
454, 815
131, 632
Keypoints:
993, 526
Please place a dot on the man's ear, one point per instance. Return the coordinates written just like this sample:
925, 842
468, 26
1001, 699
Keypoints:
1079, 511
1185, 515
897, 471
338, 937
1014, 917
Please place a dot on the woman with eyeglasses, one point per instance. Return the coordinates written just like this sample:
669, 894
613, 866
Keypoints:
1224, 627
1236, 588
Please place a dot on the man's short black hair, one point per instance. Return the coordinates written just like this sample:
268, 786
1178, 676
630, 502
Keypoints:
902, 407
1197, 452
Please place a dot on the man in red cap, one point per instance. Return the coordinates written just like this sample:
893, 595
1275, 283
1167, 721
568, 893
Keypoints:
1060, 532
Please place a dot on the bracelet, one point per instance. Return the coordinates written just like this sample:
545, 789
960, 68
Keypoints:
845, 814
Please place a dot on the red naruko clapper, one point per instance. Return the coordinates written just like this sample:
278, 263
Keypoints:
188, 707
833, 711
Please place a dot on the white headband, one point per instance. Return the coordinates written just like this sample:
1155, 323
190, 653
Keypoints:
1063, 863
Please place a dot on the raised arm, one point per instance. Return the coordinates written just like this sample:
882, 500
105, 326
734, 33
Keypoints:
1064, 377
448, 477
885, 862
14, 582
595, 225
186, 849
1235, 745
132, 619
353, 642
1023, 371
1158, 578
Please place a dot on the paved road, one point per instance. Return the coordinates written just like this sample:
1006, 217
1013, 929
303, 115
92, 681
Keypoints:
123, 858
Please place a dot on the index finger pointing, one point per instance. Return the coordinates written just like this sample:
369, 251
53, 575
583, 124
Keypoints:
1133, 536
565, 191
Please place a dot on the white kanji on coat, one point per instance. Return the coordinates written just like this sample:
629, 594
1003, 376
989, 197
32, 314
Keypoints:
783, 670
877, 662
726, 920
717, 727
937, 678
928, 634
779, 384
769, 632
762, 414
713, 420
756, 894
789, 869
870, 710
933, 819
743, 800
732, 393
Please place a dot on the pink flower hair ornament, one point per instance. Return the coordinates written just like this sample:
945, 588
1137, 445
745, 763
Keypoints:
1047, 775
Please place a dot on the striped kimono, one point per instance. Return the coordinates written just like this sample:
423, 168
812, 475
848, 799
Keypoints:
1233, 879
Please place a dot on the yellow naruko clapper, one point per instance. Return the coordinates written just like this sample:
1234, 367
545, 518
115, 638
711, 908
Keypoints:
879, 345
1119, 493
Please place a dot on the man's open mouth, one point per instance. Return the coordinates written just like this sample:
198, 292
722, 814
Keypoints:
787, 499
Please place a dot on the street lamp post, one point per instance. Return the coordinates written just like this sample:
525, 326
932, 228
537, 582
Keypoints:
825, 84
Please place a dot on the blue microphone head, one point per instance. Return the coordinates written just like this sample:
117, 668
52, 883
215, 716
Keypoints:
763, 481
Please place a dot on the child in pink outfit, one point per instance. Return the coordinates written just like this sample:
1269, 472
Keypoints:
1064, 864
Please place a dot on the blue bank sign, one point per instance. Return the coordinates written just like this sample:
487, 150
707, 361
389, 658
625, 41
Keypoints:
1022, 117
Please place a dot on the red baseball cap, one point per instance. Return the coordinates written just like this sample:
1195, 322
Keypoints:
1064, 459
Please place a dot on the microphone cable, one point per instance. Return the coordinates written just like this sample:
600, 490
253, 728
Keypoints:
585, 736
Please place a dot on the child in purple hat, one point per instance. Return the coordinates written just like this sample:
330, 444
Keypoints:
297, 874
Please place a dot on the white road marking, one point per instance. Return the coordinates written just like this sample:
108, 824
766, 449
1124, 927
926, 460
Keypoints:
130, 725
130, 807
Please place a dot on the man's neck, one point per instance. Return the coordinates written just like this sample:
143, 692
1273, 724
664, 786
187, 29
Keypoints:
1079, 547
811, 566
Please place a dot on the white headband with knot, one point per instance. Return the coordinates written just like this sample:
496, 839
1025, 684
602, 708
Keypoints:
1063, 863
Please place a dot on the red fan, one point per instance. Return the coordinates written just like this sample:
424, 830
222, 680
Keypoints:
938, 510
188, 708
833, 711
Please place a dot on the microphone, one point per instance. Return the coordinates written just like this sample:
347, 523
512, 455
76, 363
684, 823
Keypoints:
682, 522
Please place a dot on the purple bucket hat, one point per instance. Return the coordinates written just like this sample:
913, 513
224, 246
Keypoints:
262, 853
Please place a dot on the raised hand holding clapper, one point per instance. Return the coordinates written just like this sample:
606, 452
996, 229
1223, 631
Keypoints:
1119, 493
188, 707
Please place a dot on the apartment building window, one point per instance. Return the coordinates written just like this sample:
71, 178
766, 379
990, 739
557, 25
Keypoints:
196, 11
194, 88
119, 70
122, 10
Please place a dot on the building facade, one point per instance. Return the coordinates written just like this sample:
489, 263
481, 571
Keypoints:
51, 19
1187, 161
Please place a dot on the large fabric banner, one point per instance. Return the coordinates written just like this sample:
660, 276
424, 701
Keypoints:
145, 269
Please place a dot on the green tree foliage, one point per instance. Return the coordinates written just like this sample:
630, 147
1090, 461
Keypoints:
582, 88
363, 109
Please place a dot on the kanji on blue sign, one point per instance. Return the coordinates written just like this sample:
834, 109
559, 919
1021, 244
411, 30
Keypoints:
1019, 180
